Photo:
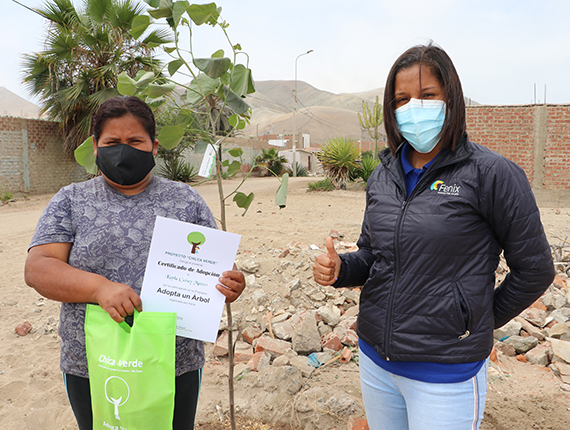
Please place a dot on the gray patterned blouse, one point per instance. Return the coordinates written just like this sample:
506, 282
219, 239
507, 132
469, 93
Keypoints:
111, 234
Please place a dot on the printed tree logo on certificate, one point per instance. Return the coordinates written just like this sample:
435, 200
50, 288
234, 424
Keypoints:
196, 239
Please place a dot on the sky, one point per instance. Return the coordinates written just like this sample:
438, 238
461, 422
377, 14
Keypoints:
502, 49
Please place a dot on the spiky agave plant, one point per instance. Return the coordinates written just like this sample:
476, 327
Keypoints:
338, 155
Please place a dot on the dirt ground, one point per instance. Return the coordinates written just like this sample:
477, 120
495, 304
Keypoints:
32, 396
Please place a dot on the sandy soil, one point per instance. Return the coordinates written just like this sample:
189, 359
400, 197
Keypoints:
32, 396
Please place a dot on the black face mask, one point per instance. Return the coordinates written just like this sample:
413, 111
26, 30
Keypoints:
124, 164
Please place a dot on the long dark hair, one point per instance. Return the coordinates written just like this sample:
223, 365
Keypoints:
120, 106
443, 69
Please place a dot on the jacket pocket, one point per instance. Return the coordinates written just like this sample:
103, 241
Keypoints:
463, 312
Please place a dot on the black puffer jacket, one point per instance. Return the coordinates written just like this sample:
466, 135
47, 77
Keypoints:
428, 262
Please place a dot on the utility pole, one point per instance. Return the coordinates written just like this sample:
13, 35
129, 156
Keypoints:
294, 137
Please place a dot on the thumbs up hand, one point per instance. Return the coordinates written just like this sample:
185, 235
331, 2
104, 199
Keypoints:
327, 266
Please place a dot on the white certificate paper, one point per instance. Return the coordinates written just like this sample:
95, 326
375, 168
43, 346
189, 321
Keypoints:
183, 267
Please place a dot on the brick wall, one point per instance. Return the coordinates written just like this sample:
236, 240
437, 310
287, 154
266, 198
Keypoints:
32, 160
536, 137
557, 154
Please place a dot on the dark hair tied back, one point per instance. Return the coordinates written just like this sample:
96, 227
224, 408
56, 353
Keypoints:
120, 106
439, 63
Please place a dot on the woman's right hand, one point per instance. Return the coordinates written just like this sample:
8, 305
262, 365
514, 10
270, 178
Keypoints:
327, 266
119, 300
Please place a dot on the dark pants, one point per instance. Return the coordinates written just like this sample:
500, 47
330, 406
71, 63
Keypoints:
185, 400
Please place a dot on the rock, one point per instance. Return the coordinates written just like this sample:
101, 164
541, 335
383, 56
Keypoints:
283, 330
352, 295
522, 344
251, 333
23, 329
346, 331
249, 266
294, 284
330, 314
553, 300
506, 349
535, 316
259, 297
512, 328
540, 355
530, 329
221, 346
306, 338
318, 296
331, 341
324, 357
341, 406
561, 349
250, 281
323, 328
243, 352
259, 361
350, 313
560, 315
275, 347
240, 369
285, 359
361, 424
300, 362
559, 330
563, 371
282, 379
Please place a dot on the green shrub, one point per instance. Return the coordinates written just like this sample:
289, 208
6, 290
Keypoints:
367, 166
177, 170
6, 196
300, 170
323, 185
338, 156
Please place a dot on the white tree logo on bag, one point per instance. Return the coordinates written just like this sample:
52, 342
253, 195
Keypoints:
115, 392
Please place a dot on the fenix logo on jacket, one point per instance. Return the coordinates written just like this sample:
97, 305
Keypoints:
441, 188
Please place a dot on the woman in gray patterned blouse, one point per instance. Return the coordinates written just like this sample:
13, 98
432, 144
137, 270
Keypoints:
92, 241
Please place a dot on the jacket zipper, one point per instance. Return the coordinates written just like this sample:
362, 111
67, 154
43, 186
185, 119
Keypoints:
396, 278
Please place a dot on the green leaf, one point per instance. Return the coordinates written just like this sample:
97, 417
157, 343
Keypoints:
174, 65
203, 13
281, 194
169, 49
234, 168
144, 80
85, 156
126, 85
163, 12
140, 24
236, 152
218, 54
200, 146
235, 102
170, 135
243, 201
156, 90
200, 88
213, 67
242, 81
178, 10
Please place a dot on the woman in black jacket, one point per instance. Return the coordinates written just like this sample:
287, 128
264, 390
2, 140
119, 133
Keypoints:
439, 211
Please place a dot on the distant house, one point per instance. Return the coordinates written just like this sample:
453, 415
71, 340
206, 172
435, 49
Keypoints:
306, 157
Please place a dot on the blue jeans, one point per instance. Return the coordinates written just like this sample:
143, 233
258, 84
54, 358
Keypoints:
393, 402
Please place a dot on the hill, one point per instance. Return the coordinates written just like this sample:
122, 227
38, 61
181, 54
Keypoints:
321, 114
14, 105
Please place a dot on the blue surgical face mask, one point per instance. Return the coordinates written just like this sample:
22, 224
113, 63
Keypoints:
420, 122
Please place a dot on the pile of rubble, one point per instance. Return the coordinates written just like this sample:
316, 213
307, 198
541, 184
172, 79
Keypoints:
287, 326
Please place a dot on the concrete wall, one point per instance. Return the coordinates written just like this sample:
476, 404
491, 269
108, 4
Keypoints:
32, 160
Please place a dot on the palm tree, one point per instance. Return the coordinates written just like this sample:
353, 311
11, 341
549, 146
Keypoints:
85, 50
271, 159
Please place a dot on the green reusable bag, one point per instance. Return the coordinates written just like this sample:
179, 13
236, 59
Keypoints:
131, 370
